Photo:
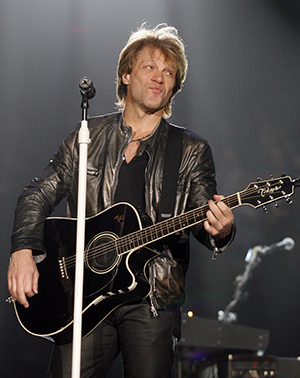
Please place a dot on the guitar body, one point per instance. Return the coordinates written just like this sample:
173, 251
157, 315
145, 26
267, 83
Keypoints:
111, 278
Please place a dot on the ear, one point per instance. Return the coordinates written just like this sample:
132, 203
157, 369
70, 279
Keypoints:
126, 78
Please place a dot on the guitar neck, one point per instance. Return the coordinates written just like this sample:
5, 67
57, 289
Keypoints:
170, 226
257, 194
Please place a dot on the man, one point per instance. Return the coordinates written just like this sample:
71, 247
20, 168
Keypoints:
125, 163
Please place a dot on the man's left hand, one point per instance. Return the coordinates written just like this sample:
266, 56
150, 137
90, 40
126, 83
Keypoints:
219, 218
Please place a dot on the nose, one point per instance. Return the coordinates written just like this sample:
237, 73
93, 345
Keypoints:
158, 76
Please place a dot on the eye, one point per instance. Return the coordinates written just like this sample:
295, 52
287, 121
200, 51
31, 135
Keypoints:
170, 73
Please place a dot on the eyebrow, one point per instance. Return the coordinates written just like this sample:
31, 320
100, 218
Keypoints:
168, 66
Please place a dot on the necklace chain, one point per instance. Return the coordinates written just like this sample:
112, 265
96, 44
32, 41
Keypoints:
140, 139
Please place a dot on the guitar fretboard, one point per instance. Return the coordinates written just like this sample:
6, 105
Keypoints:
167, 227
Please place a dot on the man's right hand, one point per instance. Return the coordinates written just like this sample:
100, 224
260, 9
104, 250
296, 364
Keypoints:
22, 276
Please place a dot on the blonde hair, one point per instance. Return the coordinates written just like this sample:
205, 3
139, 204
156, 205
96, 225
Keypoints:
162, 37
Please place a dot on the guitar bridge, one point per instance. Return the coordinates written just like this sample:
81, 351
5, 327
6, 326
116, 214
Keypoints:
64, 277
63, 269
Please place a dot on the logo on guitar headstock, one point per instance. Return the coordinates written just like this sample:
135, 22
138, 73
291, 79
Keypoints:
268, 190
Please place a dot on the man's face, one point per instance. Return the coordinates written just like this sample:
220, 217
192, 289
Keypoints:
151, 82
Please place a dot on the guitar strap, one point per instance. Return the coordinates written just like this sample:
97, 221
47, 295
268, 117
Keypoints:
171, 170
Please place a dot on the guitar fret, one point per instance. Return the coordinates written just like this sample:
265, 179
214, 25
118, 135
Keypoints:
146, 239
233, 200
185, 222
177, 225
130, 243
173, 225
163, 231
194, 216
159, 233
167, 229
135, 243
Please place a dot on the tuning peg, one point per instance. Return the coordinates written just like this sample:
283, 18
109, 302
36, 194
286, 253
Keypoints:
276, 205
259, 179
288, 200
265, 209
296, 182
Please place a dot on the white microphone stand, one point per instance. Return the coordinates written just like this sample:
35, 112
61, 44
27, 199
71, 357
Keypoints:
83, 140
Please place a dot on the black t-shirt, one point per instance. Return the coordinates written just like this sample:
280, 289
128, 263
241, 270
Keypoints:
131, 183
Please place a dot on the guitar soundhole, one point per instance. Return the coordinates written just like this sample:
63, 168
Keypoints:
101, 253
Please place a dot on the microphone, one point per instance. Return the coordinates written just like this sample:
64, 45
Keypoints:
87, 88
287, 244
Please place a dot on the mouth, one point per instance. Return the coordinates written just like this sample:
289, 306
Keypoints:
155, 89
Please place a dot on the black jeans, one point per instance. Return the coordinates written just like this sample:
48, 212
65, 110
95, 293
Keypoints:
147, 344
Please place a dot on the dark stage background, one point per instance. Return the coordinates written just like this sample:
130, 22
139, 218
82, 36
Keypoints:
242, 94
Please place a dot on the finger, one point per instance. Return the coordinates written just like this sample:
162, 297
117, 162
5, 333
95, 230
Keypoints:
11, 288
218, 197
210, 229
220, 210
22, 299
18, 293
22, 276
32, 288
215, 215
31, 283
219, 201
219, 220
20, 288
12, 285
35, 282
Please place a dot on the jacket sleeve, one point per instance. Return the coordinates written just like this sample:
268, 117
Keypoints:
40, 197
202, 188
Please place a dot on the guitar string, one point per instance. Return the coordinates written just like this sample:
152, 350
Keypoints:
148, 232
111, 246
126, 239
122, 242
191, 215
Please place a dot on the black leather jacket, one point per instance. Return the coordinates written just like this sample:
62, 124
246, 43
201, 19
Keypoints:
109, 138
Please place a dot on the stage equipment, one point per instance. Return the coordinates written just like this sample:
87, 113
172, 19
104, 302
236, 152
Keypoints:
87, 91
211, 349
206, 343
253, 258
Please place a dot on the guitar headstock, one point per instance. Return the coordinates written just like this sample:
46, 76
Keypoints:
260, 193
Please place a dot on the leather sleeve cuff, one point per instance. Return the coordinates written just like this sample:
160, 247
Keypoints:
222, 244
